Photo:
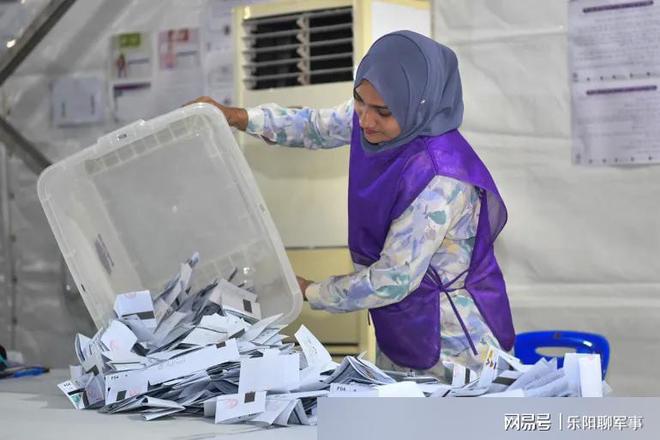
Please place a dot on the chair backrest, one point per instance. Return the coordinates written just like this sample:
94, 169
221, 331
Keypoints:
528, 343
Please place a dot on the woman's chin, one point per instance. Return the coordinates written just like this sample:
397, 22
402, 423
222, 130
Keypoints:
373, 139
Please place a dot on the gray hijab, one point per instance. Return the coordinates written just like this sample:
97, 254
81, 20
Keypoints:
418, 79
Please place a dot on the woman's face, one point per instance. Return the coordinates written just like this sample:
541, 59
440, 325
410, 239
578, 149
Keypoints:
376, 120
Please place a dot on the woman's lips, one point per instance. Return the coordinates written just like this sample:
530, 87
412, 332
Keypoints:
370, 132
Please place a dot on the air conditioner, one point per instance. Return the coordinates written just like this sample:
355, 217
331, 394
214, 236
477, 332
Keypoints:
304, 53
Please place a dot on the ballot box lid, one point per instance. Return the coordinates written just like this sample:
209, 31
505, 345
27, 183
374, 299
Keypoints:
127, 211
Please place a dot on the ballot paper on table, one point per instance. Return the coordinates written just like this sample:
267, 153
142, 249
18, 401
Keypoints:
167, 326
299, 405
434, 389
299, 415
462, 375
507, 393
150, 402
142, 330
259, 327
95, 391
542, 379
360, 371
591, 381
154, 414
584, 374
176, 289
495, 362
539, 370
201, 336
400, 389
504, 380
555, 385
231, 325
276, 373
74, 391
80, 345
202, 352
125, 360
90, 357
120, 386
233, 407
271, 336
136, 305
274, 409
76, 371
315, 353
85, 391
285, 416
192, 362
118, 337
239, 301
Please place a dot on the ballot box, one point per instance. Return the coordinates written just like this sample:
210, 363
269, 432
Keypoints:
128, 210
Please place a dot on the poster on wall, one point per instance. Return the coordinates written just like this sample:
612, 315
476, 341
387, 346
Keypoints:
219, 51
131, 76
615, 81
178, 49
77, 100
179, 75
131, 58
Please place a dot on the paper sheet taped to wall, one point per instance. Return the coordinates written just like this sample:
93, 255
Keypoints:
615, 73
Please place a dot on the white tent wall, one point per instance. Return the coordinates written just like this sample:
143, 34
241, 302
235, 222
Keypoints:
580, 251
47, 316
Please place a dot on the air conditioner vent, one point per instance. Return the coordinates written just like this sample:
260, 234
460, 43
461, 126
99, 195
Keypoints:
309, 47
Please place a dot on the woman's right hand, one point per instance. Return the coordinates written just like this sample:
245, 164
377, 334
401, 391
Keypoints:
236, 117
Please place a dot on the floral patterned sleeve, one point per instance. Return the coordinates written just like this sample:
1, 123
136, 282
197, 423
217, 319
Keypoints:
302, 127
413, 240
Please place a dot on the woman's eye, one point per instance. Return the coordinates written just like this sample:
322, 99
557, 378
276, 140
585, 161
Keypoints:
385, 114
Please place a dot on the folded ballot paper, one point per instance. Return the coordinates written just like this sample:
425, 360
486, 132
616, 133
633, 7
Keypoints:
210, 353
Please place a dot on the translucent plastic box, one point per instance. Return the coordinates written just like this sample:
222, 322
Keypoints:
129, 209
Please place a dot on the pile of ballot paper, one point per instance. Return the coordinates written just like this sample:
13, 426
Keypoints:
211, 353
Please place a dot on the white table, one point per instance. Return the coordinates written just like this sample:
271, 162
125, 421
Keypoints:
33, 408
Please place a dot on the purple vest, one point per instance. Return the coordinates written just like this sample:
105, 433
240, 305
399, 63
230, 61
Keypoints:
381, 186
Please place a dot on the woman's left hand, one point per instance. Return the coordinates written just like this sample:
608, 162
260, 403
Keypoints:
303, 283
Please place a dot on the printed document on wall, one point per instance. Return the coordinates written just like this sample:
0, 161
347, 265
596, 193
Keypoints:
218, 48
615, 81
131, 76
77, 100
179, 74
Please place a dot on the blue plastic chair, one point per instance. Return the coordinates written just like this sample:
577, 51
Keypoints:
528, 343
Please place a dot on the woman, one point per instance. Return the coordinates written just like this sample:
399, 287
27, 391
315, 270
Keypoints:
423, 209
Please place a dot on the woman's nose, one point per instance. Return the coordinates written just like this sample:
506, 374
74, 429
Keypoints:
366, 121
